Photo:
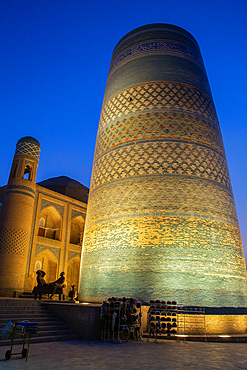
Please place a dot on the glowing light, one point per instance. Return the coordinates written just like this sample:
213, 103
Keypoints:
181, 335
224, 336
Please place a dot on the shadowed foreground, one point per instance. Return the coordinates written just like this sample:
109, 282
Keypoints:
132, 356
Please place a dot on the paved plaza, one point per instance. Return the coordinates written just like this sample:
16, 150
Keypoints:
165, 355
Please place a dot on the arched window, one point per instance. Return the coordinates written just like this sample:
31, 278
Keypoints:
76, 230
27, 172
42, 222
50, 223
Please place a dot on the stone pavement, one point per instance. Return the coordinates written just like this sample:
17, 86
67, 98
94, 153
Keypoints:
165, 355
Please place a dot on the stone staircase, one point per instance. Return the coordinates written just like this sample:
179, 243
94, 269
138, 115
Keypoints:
50, 328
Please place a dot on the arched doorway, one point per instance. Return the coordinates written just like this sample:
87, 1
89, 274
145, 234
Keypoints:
47, 262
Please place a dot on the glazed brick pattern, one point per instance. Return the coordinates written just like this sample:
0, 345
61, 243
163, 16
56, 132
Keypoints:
28, 148
14, 241
166, 47
169, 125
167, 158
42, 247
158, 96
146, 196
20, 189
161, 220
181, 258
46, 203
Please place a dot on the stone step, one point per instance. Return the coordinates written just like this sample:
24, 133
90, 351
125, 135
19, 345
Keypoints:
47, 333
33, 310
17, 302
24, 302
26, 295
24, 312
40, 323
12, 311
55, 338
44, 320
50, 327
31, 306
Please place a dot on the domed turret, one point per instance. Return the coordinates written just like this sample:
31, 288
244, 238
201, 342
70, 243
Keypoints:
16, 216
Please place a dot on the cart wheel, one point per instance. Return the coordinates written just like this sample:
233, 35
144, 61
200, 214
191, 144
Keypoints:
8, 355
24, 352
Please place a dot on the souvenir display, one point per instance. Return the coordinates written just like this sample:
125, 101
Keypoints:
121, 319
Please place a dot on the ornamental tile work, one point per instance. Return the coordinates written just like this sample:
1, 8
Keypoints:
26, 147
158, 96
166, 47
170, 158
48, 241
20, 189
161, 220
41, 248
73, 254
14, 241
159, 126
76, 213
19, 192
146, 196
178, 258
47, 203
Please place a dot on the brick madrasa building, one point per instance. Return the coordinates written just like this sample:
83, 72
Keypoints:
41, 224
161, 220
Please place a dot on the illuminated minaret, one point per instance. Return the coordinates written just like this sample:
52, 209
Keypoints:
161, 220
17, 215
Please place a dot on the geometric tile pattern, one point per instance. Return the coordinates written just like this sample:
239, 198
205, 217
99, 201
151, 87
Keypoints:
23, 187
167, 96
150, 196
167, 47
14, 241
18, 189
28, 148
161, 158
47, 242
40, 248
46, 203
76, 213
19, 192
73, 254
159, 126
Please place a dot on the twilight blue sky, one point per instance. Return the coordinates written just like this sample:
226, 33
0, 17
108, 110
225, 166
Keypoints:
55, 56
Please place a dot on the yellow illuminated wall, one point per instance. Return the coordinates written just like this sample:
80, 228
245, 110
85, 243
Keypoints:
161, 220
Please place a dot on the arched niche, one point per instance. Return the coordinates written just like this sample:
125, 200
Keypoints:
50, 223
47, 262
27, 172
76, 230
73, 271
